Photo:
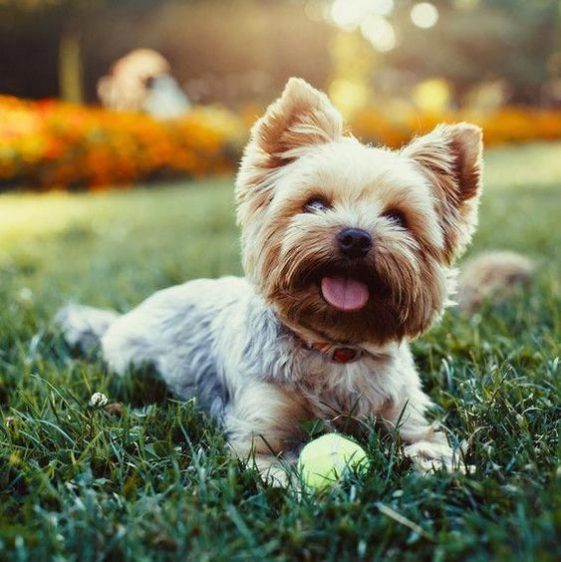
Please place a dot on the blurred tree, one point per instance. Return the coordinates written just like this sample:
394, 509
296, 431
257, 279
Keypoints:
230, 51
65, 20
481, 40
233, 51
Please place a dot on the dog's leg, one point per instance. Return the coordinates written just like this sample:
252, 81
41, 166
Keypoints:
263, 426
425, 444
84, 326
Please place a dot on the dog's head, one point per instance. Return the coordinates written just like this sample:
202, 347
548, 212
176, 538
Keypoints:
352, 242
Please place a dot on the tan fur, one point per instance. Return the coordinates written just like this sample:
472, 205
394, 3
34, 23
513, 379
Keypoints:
258, 423
492, 277
298, 152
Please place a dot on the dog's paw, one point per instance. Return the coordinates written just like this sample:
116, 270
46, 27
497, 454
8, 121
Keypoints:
430, 456
275, 476
272, 470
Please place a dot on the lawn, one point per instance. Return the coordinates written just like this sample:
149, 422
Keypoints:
153, 480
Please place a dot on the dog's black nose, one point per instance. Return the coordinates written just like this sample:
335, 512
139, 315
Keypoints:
354, 242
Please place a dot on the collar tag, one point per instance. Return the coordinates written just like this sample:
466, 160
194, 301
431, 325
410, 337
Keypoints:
337, 354
345, 355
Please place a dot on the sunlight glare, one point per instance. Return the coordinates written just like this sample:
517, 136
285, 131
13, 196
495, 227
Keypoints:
424, 15
379, 32
381, 7
348, 14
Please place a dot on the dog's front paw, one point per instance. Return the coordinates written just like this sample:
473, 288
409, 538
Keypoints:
429, 456
271, 469
274, 476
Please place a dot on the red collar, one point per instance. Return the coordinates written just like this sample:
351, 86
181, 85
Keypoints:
336, 353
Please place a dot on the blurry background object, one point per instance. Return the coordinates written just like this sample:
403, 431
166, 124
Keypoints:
165, 99
395, 68
142, 81
491, 278
241, 51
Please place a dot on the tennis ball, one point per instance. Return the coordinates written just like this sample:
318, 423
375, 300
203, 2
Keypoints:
329, 458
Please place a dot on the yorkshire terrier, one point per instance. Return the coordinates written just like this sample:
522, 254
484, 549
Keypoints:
348, 252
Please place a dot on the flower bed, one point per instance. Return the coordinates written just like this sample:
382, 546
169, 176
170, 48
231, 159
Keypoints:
51, 144
507, 125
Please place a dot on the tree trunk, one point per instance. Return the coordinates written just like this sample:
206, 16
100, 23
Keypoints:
70, 66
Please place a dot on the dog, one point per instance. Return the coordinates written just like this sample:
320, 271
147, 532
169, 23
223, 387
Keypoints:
349, 254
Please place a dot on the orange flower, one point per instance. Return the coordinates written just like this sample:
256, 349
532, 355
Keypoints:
49, 143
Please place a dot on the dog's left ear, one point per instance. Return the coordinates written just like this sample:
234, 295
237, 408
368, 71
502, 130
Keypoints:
451, 158
302, 117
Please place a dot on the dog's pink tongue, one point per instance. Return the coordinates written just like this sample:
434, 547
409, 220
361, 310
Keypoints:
344, 294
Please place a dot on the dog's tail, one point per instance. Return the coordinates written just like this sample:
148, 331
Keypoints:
84, 326
492, 277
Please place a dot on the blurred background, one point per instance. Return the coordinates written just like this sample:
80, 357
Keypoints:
96, 92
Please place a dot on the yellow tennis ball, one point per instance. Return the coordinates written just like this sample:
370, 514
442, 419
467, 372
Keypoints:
329, 458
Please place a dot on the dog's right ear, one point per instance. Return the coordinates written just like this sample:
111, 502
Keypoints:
451, 158
300, 118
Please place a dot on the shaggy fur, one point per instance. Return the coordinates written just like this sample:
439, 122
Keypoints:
262, 353
492, 277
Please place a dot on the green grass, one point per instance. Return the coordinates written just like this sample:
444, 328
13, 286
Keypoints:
157, 483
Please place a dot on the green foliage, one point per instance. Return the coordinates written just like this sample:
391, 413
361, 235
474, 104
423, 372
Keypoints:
154, 481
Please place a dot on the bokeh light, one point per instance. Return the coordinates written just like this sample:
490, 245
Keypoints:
348, 95
424, 15
379, 32
382, 7
432, 96
349, 14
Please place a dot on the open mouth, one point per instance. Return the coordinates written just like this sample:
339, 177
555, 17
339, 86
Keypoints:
344, 294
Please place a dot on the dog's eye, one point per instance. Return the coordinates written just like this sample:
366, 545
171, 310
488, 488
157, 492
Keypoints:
396, 216
316, 205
